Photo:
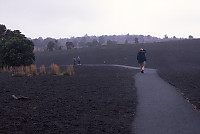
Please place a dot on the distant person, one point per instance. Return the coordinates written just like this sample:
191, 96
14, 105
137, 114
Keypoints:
141, 57
79, 60
74, 59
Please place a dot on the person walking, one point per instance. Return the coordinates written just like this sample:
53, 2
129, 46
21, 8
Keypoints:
79, 60
74, 59
141, 57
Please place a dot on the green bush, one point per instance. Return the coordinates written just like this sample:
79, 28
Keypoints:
16, 49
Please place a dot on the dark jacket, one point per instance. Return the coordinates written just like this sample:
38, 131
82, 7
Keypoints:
141, 57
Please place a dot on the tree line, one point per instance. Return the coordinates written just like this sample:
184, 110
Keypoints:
15, 48
50, 44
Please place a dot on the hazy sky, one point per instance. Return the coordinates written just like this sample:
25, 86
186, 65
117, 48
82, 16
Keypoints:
67, 18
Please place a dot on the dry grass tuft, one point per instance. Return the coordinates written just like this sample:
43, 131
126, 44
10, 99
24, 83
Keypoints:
5, 69
42, 70
70, 70
19, 71
28, 70
54, 69
11, 69
34, 69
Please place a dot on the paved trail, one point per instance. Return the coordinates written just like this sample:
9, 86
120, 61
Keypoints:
161, 109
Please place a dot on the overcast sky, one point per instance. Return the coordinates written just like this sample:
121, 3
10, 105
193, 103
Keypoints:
67, 18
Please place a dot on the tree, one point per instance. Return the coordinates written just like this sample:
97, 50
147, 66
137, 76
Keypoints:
95, 42
75, 42
190, 37
2, 35
101, 40
57, 45
69, 45
2, 31
166, 36
50, 46
136, 41
16, 49
17, 52
128, 38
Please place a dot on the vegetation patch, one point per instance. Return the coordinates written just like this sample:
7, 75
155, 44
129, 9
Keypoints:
54, 69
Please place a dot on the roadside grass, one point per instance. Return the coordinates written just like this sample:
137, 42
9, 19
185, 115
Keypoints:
19, 72
32, 70
6, 69
55, 70
68, 71
42, 70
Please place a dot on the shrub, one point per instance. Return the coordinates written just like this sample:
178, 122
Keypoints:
42, 70
15, 49
10, 69
5, 69
28, 70
33, 69
70, 70
54, 69
19, 72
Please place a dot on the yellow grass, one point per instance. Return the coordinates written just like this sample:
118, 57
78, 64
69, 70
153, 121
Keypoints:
28, 70
34, 69
5, 69
54, 69
19, 71
70, 70
10, 69
42, 70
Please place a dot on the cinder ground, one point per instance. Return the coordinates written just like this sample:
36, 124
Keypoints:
95, 100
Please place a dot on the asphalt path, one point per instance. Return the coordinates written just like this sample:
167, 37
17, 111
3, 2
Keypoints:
161, 109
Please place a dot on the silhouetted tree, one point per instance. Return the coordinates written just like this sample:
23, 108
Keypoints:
101, 40
50, 46
95, 42
166, 37
47, 40
2, 31
2, 35
16, 49
190, 37
75, 42
57, 45
69, 45
136, 41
